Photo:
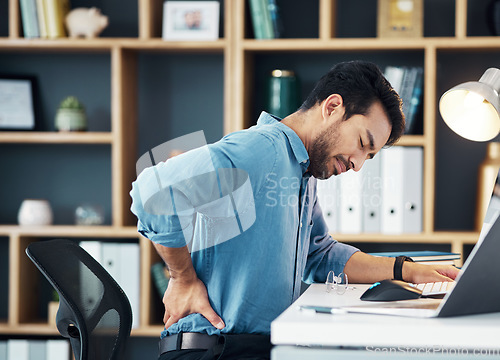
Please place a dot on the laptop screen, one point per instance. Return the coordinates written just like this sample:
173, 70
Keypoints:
478, 285
493, 209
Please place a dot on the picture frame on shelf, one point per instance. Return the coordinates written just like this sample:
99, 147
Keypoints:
17, 102
191, 20
400, 18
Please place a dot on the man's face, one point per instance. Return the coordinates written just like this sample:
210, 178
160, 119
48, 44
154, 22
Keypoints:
346, 144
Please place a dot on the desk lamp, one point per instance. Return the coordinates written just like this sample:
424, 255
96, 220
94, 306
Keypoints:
472, 110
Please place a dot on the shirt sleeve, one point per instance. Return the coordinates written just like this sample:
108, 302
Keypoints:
170, 197
325, 253
163, 201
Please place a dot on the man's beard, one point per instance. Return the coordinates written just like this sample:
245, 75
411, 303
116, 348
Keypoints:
319, 153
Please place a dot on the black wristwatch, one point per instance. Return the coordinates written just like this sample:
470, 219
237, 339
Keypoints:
398, 266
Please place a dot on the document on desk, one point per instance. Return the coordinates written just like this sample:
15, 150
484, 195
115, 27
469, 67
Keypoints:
424, 307
412, 308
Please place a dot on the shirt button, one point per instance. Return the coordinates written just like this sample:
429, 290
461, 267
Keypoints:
300, 224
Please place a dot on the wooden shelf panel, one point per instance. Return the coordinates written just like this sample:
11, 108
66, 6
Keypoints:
181, 46
413, 140
340, 44
154, 330
44, 329
70, 231
40, 137
370, 44
107, 44
434, 237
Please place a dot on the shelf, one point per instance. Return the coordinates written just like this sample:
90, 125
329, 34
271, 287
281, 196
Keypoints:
465, 237
107, 44
70, 231
44, 329
369, 44
148, 331
412, 140
41, 137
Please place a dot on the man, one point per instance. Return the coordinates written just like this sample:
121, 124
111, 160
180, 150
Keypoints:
239, 284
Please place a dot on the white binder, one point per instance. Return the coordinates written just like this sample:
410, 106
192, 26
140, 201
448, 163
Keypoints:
58, 349
3, 349
91, 287
38, 350
130, 277
413, 189
327, 193
372, 195
392, 168
111, 259
350, 202
17, 349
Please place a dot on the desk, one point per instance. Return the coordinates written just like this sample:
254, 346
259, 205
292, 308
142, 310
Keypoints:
303, 334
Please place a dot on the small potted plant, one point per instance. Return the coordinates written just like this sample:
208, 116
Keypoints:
71, 115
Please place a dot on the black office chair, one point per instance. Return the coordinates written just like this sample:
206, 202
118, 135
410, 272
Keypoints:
94, 312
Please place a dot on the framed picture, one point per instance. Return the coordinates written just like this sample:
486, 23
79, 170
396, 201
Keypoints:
17, 104
190, 20
400, 18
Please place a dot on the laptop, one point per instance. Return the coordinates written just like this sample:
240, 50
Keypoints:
477, 287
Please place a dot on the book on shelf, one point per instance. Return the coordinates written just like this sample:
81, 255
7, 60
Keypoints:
161, 276
265, 19
407, 81
29, 18
55, 12
44, 18
424, 257
275, 18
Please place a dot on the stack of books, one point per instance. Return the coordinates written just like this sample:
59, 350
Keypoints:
44, 18
265, 19
424, 257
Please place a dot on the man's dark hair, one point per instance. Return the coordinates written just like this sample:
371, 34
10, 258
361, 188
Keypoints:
360, 84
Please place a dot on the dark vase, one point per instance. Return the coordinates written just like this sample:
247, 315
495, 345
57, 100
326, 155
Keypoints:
493, 17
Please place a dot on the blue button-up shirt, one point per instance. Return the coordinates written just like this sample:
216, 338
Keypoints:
254, 275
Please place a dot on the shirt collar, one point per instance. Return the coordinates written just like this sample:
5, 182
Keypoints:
298, 148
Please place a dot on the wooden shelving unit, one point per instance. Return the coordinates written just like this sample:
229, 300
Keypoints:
239, 53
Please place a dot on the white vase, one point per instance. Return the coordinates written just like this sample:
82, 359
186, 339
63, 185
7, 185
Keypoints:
35, 212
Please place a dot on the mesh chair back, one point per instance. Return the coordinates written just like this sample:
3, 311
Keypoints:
94, 312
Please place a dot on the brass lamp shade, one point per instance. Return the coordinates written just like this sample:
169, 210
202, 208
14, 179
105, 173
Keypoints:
472, 109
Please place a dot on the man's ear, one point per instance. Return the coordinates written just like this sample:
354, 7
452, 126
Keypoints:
332, 104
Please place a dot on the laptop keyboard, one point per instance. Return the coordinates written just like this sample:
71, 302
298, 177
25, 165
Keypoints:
435, 288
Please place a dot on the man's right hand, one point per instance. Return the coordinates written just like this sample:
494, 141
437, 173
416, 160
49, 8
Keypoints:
185, 294
184, 297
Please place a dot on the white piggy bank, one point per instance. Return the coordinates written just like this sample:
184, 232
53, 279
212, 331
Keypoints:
85, 22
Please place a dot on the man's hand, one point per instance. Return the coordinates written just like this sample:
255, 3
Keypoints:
185, 294
187, 297
419, 273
